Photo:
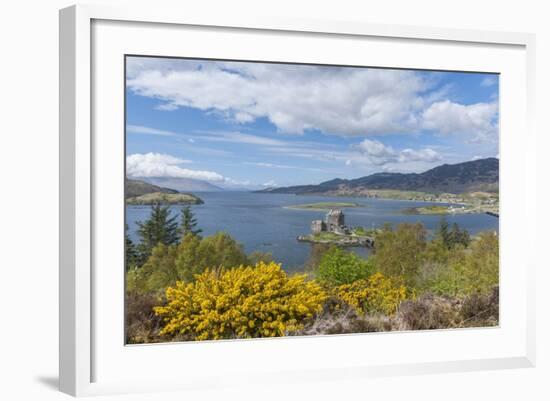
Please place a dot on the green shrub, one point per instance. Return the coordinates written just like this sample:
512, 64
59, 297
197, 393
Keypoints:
194, 255
468, 271
170, 263
398, 253
339, 267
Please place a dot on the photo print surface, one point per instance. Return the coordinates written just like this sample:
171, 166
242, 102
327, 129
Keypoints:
271, 199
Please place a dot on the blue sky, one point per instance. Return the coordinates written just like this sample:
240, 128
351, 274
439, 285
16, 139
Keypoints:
249, 125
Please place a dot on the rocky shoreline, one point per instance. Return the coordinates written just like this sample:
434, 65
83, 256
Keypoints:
344, 240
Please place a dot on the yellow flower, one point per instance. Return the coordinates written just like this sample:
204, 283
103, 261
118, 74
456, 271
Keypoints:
244, 302
377, 293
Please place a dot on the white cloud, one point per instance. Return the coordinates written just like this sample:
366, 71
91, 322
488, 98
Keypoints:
239, 137
476, 121
211, 136
270, 183
269, 165
355, 101
377, 153
421, 155
237, 183
376, 150
338, 101
137, 129
283, 166
163, 165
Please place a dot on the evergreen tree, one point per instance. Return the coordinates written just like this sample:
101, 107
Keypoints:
443, 232
160, 228
131, 251
452, 237
188, 222
458, 236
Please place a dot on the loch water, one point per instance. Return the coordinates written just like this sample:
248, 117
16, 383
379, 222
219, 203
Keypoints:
261, 222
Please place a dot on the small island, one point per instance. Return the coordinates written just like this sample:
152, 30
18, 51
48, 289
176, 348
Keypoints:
491, 210
433, 209
165, 199
323, 205
333, 230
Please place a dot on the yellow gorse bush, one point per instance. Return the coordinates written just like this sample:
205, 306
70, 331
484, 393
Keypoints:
377, 293
244, 302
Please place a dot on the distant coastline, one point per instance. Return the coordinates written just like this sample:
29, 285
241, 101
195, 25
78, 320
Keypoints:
323, 206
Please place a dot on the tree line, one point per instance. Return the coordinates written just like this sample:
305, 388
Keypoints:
160, 228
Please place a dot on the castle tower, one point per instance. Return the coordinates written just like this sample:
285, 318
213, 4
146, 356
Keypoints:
335, 219
318, 226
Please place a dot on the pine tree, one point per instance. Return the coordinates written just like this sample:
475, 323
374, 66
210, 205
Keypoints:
453, 236
188, 222
458, 236
160, 228
131, 251
443, 232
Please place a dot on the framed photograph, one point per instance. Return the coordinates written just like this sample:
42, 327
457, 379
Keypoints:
273, 199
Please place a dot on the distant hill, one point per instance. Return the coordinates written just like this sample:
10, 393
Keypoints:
476, 175
184, 184
136, 188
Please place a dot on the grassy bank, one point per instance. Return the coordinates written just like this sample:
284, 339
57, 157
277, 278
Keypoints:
165, 199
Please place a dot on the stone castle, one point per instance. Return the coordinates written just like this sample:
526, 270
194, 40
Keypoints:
334, 223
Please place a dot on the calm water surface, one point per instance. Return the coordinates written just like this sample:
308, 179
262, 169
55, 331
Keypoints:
261, 223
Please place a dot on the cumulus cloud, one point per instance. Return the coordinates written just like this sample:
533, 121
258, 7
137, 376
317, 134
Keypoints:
163, 165
376, 150
422, 155
354, 101
377, 153
333, 100
477, 121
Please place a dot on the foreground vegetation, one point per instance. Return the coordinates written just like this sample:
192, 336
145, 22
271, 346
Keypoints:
182, 286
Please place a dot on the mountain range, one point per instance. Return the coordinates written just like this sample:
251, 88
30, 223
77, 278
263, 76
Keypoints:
476, 175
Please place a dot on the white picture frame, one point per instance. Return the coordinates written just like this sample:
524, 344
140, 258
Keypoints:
85, 163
